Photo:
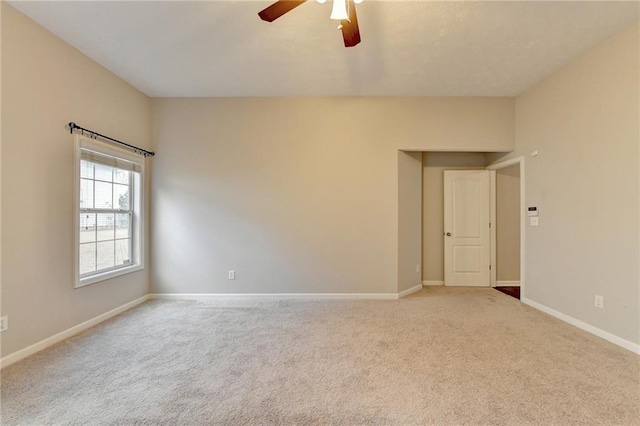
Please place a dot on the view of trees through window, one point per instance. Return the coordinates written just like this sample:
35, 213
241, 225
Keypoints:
105, 217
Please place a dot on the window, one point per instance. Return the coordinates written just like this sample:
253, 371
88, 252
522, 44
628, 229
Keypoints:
108, 211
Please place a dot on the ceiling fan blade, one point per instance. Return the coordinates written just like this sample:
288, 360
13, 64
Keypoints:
278, 9
350, 30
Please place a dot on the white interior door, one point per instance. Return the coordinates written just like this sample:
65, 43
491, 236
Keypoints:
467, 253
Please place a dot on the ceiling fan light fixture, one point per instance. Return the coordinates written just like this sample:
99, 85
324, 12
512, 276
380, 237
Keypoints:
343, 11
357, 1
339, 10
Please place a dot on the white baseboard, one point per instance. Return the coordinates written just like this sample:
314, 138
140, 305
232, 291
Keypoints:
409, 291
432, 283
49, 341
197, 296
507, 283
633, 347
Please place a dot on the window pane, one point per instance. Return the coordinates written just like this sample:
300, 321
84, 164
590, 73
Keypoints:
121, 176
106, 229
123, 226
103, 172
104, 195
87, 258
86, 194
86, 169
105, 255
87, 227
105, 239
121, 196
123, 251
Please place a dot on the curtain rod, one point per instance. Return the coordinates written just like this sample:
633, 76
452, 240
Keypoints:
73, 126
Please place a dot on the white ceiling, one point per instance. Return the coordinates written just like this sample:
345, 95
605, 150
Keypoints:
409, 48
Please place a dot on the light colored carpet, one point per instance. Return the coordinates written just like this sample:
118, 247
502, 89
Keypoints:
442, 356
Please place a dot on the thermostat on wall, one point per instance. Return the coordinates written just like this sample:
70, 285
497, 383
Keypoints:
532, 211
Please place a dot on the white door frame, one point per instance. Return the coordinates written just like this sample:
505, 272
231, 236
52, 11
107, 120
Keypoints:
492, 168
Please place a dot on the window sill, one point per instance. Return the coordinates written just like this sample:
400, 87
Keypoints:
108, 275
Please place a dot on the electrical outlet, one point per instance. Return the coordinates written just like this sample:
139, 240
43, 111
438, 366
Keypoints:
599, 301
417, 268
4, 323
232, 275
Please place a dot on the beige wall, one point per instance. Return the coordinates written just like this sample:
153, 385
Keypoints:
296, 194
508, 224
47, 83
584, 121
409, 219
434, 164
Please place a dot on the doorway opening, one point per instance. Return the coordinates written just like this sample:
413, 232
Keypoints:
421, 233
507, 199
434, 165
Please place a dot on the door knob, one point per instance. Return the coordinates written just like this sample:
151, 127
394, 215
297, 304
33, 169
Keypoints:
448, 234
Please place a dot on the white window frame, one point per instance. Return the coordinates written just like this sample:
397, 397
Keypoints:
137, 200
